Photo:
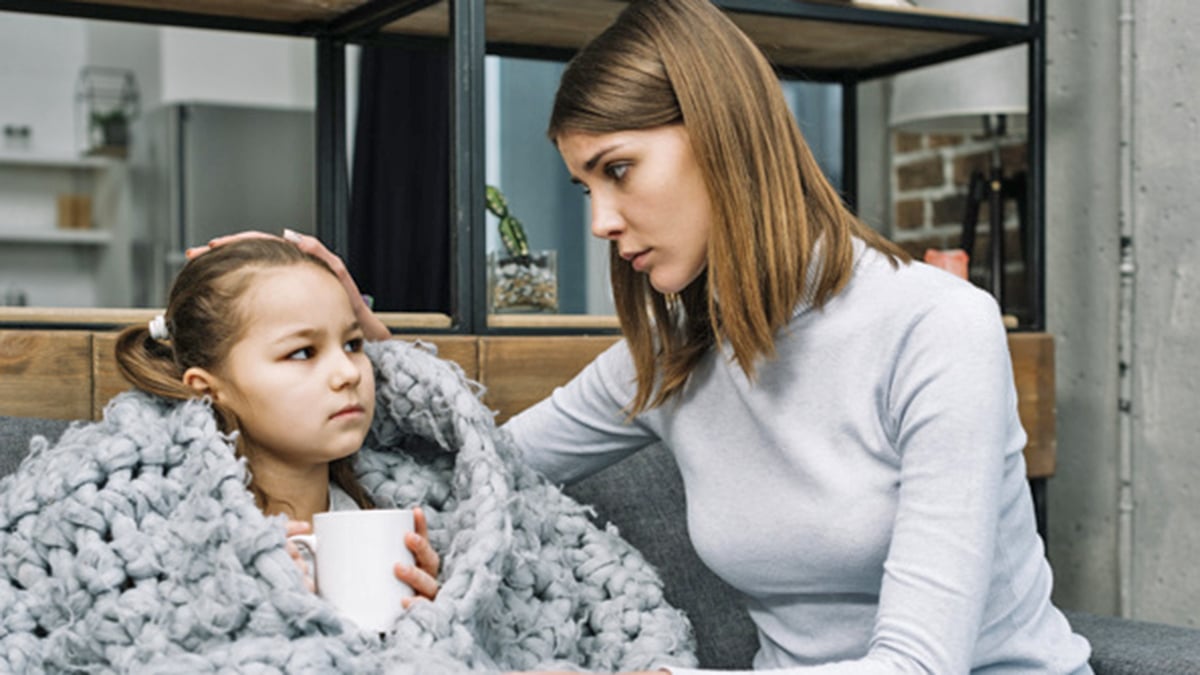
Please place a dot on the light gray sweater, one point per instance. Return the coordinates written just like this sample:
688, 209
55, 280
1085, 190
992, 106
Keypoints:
866, 492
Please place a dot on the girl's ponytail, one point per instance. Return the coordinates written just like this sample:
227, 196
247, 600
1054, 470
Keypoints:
150, 365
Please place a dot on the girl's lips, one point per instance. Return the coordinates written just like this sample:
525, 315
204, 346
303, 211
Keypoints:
638, 261
347, 412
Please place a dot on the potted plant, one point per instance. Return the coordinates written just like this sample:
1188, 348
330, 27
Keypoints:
109, 130
519, 279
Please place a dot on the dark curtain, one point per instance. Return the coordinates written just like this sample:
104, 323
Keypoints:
399, 244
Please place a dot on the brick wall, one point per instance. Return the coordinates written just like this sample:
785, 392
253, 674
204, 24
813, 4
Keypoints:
930, 177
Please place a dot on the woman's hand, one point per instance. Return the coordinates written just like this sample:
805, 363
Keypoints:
295, 527
423, 576
372, 327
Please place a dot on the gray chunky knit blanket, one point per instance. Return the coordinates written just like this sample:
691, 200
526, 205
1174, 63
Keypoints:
132, 545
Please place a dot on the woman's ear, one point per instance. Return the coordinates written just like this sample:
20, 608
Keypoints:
203, 382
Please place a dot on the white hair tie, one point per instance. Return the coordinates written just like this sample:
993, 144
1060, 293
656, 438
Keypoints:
158, 328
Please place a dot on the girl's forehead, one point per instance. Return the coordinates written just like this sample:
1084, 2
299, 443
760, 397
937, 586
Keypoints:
295, 295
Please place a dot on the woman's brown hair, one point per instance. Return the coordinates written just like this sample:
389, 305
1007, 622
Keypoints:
666, 62
205, 318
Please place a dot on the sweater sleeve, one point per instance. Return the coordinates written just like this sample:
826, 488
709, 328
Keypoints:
582, 427
952, 413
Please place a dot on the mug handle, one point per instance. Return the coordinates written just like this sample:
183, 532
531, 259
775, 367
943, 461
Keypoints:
309, 543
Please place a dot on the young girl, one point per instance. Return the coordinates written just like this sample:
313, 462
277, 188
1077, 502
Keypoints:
266, 333
133, 544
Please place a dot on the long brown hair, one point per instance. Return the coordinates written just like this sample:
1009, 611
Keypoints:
666, 62
205, 319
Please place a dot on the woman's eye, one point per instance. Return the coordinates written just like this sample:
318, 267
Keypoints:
354, 346
302, 354
616, 171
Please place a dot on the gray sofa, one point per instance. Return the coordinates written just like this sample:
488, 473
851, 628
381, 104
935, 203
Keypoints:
643, 496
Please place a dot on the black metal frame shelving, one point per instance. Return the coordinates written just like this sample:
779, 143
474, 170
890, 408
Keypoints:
373, 19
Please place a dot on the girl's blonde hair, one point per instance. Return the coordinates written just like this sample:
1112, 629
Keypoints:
666, 62
205, 318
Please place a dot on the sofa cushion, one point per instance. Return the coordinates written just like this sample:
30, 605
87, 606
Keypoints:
15, 434
1128, 647
653, 518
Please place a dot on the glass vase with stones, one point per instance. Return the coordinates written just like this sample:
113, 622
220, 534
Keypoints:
523, 283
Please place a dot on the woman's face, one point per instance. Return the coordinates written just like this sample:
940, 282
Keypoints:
297, 378
648, 197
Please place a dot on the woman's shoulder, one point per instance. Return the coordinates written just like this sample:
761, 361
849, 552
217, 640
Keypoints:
915, 284
894, 297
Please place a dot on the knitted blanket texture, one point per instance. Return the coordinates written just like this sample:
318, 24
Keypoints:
133, 545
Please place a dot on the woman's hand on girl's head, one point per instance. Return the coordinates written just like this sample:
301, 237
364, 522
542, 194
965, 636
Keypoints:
373, 328
227, 239
422, 577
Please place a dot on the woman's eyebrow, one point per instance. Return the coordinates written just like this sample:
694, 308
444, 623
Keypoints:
591, 163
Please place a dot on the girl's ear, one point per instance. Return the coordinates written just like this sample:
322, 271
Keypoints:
203, 382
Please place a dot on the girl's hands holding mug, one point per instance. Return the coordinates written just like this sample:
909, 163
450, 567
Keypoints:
422, 577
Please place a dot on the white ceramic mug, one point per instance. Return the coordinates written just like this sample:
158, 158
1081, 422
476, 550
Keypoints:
354, 553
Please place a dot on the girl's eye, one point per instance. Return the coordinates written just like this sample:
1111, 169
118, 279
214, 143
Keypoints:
302, 354
354, 346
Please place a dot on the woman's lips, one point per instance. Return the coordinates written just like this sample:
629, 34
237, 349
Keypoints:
638, 260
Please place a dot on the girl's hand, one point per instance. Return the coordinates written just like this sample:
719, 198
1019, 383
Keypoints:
300, 527
423, 576
373, 328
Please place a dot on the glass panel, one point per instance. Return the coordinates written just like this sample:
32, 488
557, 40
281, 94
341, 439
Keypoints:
215, 135
537, 190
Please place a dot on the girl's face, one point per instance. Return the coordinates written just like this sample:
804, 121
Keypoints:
648, 196
298, 380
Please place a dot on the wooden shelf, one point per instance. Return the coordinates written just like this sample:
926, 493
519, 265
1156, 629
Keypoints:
10, 158
819, 38
572, 322
55, 237
68, 317
815, 37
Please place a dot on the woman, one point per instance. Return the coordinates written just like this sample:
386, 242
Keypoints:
844, 420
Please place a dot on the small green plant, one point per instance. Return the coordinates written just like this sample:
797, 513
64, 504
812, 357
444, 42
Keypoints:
512, 233
520, 280
110, 128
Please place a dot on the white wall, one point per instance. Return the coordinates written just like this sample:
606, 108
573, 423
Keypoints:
1147, 567
39, 63
1166, 312
239, 68
41, 57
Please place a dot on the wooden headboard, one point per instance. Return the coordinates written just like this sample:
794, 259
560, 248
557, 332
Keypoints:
71, 374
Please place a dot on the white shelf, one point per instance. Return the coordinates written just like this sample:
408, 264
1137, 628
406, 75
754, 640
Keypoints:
78, 237
38, 160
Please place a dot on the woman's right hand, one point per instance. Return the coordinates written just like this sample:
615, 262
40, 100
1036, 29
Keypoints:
373, 328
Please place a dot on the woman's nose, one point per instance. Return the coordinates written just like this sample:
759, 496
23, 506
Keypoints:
606, 221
